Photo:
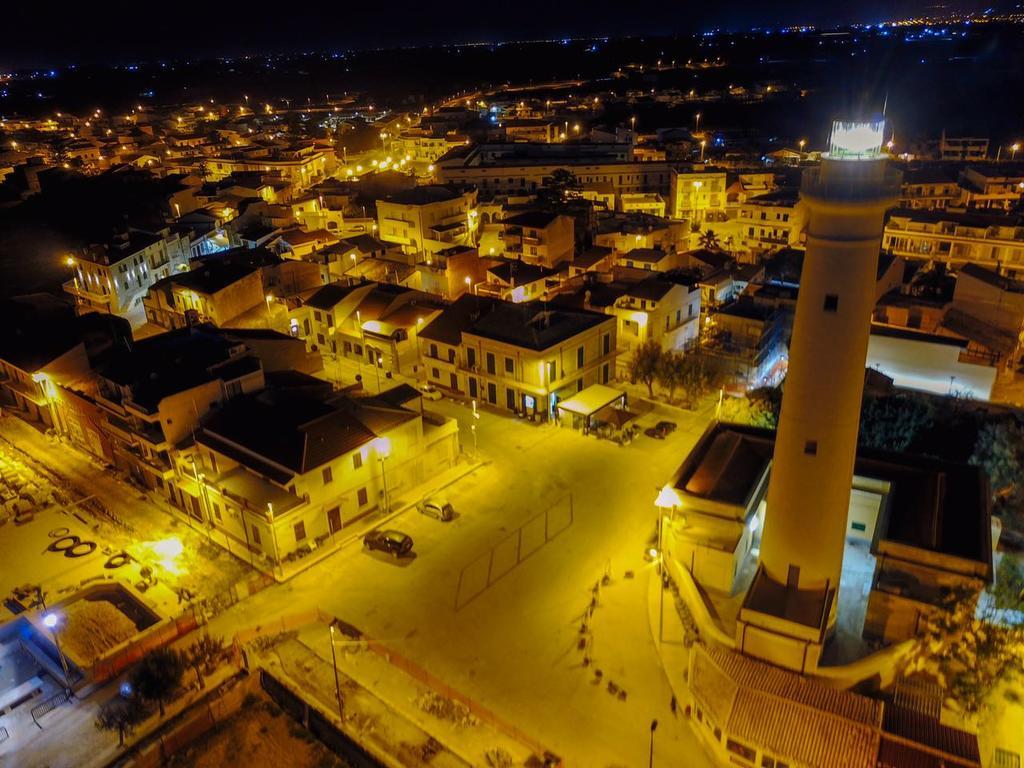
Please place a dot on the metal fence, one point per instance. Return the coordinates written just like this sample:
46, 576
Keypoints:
478, 575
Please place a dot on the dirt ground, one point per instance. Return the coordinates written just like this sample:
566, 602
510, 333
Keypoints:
259, 734
94, 627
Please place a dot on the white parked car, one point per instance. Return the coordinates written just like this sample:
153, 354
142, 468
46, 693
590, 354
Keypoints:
430, 392
438, 508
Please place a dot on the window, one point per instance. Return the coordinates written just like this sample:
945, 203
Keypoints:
471, 357
831, 302
579, 357
811, 447
490, 362
361, 497
607, 343
510, 399
300, 531
492, 393
451, 355
256, 535
433, 351
357, 460
435, 373
767, 762
318, 317
740, 749
858, 526
718, 733
510, 365
216, 510
328, 476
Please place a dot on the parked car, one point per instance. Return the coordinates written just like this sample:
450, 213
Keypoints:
430, 392
661, 430
437, 508
394, 543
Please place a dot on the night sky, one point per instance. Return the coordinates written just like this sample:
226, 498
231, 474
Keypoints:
118, 31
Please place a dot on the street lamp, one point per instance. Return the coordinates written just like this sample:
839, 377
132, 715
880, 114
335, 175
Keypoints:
667, 499
50, 621
654, 727
1013, 150
382, 446
703, 144
802, 142
337, 683
696, 128
268, 298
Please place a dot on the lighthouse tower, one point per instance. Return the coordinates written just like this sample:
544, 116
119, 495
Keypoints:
791, 604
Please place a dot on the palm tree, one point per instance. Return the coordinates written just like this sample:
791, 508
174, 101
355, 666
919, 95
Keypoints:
709, 240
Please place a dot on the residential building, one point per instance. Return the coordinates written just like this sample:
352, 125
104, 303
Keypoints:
999, 187
375, 324
301, 167
698, 195
993, 240
771, 222
114, 277
929, 187
523, 358
539, 237
428, 218
747, 339
213, 292
514, 167
282, 472
517, 281
964, 148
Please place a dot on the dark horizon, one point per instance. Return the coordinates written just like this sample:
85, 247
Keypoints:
125, 32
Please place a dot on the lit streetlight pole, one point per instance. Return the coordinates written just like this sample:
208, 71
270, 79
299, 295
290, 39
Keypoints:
268, 298
383, 448
696, 128
337, 683
803, 143
1013, 150
50, 621
703, 144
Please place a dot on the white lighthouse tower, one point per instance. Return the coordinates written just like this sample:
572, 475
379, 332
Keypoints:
791, 604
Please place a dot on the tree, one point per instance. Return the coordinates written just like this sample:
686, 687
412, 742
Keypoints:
203, 656
1008, 590
559, 189
158, 675
967, 655
892, 422
697, 377
760, 408
999, 450
646, 364
671, 371
121, 715
709, 240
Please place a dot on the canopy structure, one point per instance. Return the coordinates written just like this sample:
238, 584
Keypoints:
582, 406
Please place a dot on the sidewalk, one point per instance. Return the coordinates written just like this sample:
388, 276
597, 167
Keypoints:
399, 506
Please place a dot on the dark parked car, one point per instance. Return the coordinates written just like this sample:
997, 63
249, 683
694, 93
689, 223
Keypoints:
395, 543
661, 430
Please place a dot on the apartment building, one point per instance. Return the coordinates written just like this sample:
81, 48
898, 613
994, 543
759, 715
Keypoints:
929, 187
509, 168
282, 472
698, 195
539, 237
428, 218
523, 358
375, 324
115, 276
994, 240
771, 222
999, 187
301, 167
213, 292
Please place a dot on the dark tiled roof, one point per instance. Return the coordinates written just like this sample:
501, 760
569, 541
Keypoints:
210, 277
519, 272
425, 195
448, 326
286, 429
328, 296
531, 219
534, 325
